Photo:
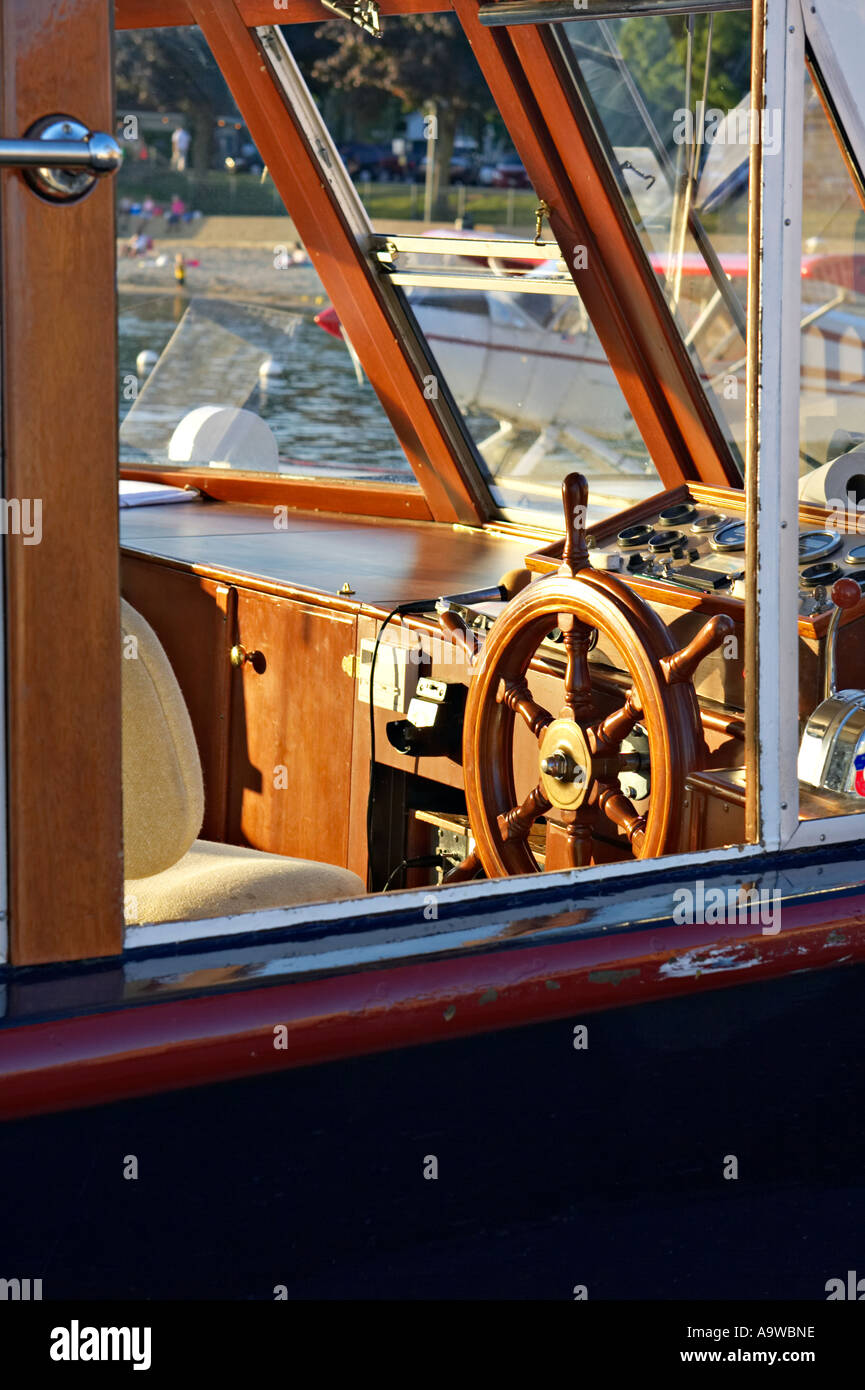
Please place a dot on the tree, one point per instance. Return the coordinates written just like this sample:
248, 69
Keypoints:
423, 60
174, 70
656, 52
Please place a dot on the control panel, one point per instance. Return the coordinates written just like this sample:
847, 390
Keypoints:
699, 547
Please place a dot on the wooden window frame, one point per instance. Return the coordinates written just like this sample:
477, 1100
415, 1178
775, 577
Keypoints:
62, 595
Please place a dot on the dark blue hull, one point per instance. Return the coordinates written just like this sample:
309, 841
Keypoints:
557, 1167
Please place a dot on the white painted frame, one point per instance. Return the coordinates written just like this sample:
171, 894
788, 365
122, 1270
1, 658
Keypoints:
777, 521
810, 19
483, 892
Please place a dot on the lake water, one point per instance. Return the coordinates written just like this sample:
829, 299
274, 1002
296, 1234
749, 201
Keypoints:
319, 412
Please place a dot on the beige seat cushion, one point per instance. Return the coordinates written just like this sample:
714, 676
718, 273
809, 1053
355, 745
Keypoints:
163, 790
214, 880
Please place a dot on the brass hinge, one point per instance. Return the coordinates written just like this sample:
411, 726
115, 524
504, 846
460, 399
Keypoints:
542, 213
350, 666
364, 13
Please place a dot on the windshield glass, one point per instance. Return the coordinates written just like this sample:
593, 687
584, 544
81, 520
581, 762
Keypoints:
832, 396
670, 100
221, 361
453, 210
514, 344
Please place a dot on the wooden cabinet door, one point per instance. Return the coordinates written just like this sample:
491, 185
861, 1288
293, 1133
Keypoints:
291, 729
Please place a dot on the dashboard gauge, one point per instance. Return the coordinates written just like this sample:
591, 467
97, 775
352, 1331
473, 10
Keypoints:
711, 522
633, 536
856, 556
824, 573
730, 536
666, 540
816, 545
677, 515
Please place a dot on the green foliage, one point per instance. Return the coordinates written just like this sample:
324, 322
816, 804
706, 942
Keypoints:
420, 58
655, 50
168, 70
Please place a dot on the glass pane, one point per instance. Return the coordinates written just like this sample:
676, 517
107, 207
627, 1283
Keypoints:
672, 106
832, 411
221, 359
832, 476
421, 137
537, 393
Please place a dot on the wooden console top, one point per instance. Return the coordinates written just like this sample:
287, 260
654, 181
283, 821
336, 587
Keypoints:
385, 562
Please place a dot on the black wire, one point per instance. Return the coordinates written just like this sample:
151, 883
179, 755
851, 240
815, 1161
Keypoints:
422, 861
370, 800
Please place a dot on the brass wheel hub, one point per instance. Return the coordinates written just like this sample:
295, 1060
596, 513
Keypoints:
565, 764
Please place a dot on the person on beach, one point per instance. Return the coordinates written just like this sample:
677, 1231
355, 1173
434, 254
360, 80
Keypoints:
179, 148
176, 211
138, 244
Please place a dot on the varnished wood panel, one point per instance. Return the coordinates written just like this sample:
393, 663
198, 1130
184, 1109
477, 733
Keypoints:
145, 14
60, 435
384, 561
195, 620
291, 730
352, 496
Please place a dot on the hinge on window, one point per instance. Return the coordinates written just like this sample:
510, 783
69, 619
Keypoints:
542, 214
384, 251
364, 13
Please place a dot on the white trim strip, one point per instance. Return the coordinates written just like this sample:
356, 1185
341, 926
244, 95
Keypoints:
482, 892
777, 683
832, 830
290, 78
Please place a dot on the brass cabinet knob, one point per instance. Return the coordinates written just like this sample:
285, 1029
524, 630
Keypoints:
239, 656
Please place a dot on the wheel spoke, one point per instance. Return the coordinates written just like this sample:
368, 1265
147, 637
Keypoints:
516, 823
682, 665
608, 734
623, 813
577, 826
577, 638
517, 696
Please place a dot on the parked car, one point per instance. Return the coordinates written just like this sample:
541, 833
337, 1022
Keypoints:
463, 169
396, 168
364, 162
510, 173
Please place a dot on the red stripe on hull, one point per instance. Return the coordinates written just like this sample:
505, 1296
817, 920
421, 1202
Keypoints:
144, 1049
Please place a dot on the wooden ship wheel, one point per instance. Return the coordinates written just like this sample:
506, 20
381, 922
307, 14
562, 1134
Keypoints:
581, 751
